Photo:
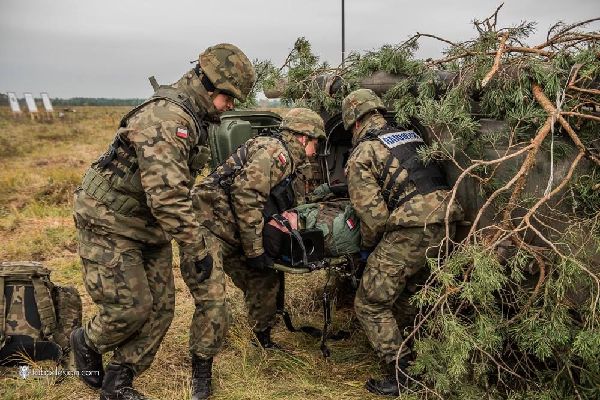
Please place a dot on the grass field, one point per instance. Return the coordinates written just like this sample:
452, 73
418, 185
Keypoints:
41, 163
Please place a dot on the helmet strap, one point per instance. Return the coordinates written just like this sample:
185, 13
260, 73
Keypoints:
208, 85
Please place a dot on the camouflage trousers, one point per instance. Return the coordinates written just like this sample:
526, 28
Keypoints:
211, 317
260, 288
132, 285
399, 255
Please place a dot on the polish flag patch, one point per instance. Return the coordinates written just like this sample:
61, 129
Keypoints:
282, 159
182, 133
350, 223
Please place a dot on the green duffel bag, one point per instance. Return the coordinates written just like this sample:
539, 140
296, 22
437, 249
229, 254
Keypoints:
338, 222
37, 316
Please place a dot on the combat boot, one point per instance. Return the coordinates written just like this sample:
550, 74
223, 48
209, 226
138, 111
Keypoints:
118, 384
201, 378
86, 359
264, 339
388, 385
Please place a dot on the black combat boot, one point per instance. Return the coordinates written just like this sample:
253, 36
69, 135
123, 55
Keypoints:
388, 385
86, 359
118, 384
201, 378
264, 339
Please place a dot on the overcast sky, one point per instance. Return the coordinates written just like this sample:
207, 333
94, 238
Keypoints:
108, 48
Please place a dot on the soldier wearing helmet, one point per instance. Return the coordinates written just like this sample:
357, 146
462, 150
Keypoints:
233, 203
132, 202
401, 204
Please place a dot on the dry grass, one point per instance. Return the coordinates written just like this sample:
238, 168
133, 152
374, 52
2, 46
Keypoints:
40, 165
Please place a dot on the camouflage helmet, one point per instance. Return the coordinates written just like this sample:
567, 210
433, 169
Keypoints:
228, 69
357, 104
305, 122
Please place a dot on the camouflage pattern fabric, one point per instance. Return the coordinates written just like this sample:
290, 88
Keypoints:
68, 313
15, 322
36, 307
132, 285
235, 236
127, 257
398, 256
260, 288
268, 164
400, 238
305, 122
32, 289
163, 137
364, 166
358, 104
211, 316
228, 69
338, 222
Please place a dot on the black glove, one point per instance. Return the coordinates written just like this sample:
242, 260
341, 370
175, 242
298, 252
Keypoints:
204, 268
260, 262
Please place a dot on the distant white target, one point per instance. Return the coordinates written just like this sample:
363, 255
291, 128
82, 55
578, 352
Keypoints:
30, 103
14, 103
47, 102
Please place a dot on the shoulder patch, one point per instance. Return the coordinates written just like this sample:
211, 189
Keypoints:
282, 159
350, 223
182, 133
393, 139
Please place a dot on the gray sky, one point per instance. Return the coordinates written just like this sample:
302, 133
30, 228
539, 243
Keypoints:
108, 48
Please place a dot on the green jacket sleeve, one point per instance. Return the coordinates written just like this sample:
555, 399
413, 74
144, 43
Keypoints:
251, 188
165, 176
365, 195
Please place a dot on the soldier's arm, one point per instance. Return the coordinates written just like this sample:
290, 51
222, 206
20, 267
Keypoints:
365, 195
250, 191
163, 161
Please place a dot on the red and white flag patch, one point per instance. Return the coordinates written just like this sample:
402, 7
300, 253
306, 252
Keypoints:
282, 159
350, 223
182, 133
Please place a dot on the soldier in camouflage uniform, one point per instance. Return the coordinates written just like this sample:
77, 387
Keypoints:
132, 202
401, 204
233, 203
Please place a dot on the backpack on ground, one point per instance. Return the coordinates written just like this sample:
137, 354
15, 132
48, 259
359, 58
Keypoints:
36, 316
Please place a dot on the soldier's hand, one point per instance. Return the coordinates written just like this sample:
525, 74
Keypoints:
260, 262
204, 268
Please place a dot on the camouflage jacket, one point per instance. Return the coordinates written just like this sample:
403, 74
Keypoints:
268, 163
363, 169
162, 139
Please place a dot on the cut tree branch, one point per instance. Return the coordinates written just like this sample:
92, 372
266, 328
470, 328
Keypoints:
497, 59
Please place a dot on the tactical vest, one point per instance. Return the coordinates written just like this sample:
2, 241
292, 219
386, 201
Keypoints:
282, 195
122, 190
403, 145
36, 316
